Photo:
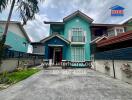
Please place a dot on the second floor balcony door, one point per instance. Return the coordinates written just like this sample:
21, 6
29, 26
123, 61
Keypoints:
77, 35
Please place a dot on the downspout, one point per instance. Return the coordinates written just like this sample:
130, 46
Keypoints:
113, 65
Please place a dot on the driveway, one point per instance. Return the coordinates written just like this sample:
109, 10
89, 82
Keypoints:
71, 84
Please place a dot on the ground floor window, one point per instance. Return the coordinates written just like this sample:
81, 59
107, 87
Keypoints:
78, 54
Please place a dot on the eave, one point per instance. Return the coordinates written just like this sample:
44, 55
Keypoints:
20, 26
36, 43
58, 23
52, 36
80, 14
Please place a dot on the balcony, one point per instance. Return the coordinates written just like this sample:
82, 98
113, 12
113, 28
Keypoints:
78, 39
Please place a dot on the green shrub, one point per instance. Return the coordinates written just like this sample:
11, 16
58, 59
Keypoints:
4, 79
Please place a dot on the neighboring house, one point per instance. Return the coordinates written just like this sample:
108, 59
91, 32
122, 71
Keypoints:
105, 32
17, 38
111, 49
107, 37
128, 22
69, 40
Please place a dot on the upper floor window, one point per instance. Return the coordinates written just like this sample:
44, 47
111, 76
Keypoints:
77, 35
119, 30
115, 31
111, 32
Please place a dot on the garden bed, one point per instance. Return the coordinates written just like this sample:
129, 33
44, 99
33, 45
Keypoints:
17, 76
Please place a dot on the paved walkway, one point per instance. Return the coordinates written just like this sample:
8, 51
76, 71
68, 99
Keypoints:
71, 84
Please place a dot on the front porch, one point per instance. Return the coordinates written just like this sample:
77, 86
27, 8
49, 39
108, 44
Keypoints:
55, 55
56, 48
59, 52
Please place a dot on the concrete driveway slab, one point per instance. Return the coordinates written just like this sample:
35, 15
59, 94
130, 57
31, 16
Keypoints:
70, 84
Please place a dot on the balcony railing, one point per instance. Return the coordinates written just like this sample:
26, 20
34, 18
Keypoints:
78, 39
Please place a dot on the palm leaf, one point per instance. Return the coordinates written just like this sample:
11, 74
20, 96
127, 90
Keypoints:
28, 9
3, 4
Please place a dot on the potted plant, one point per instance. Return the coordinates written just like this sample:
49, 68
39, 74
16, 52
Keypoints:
126, 68
106, 65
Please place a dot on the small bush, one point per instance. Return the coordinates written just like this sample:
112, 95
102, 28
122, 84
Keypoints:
4, 78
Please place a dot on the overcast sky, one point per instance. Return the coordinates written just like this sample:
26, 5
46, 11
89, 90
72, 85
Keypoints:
56, 10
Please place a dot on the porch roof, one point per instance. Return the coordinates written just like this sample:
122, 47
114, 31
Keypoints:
55, 35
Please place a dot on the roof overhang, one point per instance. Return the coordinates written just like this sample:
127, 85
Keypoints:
55, 35
127, 20
57, 23
99, 24
36, 43
20, 26
80, 14
24, 32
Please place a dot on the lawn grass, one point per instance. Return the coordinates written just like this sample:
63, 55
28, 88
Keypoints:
21, 75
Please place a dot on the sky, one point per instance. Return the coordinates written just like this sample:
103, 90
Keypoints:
56, 10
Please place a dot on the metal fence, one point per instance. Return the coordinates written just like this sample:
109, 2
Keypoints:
16, 54
117, 54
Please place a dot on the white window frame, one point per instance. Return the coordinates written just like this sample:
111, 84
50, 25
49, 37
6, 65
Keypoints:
120, 28
77, 30
75, 55
115, 31
37, 48
109, 34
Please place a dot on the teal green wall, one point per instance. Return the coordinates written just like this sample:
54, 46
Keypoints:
73, 23
15, 41
129, 28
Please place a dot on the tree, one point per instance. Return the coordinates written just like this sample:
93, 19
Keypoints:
27, 10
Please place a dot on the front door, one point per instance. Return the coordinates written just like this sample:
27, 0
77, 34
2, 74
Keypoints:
57, 55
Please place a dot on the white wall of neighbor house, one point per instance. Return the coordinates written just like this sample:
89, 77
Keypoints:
99, 65
115, 31
13, 27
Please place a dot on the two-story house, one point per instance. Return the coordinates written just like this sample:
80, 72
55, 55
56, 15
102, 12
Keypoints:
75, 38
68, 40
